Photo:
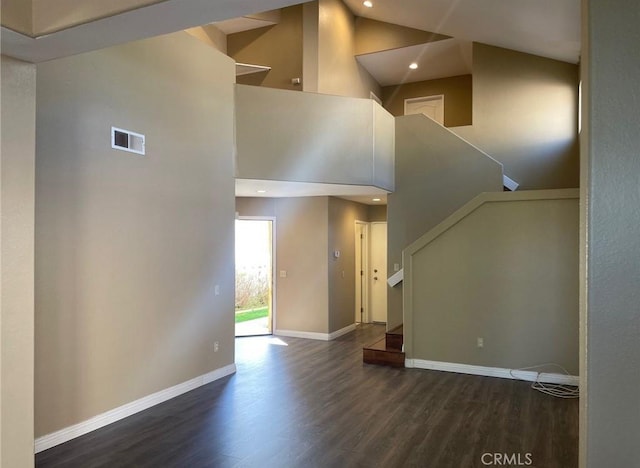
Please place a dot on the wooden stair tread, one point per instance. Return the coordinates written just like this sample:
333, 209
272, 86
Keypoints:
395, 338
379, 353
379, 345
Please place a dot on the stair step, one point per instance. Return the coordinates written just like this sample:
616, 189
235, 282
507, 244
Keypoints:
379, 353
395, 338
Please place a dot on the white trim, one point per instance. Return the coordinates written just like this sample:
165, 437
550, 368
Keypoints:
502, 373
435, 97
342, 331
303, 334
248, 68
116, 414
364, 317
316, 335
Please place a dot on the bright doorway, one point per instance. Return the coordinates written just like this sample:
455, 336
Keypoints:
254, 311
431, 106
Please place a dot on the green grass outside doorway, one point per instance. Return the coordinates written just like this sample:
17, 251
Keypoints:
251, 314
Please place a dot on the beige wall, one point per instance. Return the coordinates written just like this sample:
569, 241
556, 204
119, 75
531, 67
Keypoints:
53, 16
128, 247
610, 316
506, 272
315, 296
278, 46
258, 206
211, 35
338, 71
314, 41
342, 287
17, 15
302, 295
310, 23
302, 303
525, 116
457, 93
377, 213
436, 173
374, 36
17, 190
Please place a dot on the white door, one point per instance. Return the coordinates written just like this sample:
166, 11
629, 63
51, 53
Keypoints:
378, 272
431, 106
361, 272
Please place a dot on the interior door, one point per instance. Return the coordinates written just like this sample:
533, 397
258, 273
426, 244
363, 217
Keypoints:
431, 106
362, 272
378, 272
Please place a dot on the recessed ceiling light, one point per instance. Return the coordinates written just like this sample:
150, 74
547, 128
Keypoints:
367, 3
413, 66
261, 191
375, 199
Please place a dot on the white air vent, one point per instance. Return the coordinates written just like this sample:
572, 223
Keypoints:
126, 140
510, 183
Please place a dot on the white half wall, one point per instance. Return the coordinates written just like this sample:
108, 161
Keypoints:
306, 137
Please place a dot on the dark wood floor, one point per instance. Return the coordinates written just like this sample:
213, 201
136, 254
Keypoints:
304, 403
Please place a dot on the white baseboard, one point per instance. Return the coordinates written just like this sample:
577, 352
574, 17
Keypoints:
303, 334
116, 414
500, 372
316, 335
342, 331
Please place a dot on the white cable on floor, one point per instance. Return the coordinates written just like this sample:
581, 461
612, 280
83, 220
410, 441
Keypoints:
555, 390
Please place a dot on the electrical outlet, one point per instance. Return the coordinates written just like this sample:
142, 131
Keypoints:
480, 342
396, 267
216, 346
216, 290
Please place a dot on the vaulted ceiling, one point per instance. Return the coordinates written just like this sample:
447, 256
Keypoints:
550, 28
541, 27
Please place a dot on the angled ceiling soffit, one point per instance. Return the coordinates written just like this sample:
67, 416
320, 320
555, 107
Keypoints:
375, 36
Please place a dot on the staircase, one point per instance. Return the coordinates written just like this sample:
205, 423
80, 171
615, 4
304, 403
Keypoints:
387, 351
